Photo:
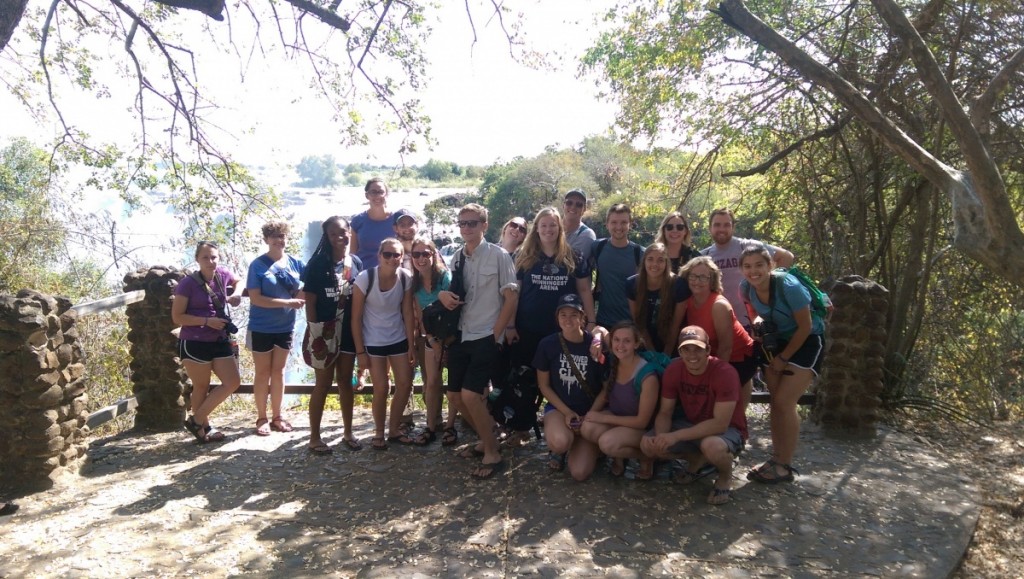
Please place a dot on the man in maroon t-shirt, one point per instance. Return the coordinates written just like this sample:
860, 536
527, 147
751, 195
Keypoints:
713, 428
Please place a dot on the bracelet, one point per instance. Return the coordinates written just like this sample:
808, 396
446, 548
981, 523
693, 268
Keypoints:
206, 321
360, 353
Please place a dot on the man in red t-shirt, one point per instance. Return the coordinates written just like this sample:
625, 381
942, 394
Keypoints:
712, 427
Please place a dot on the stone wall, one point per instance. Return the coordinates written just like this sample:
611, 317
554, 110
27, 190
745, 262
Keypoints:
849, 392
158, 381
42, 392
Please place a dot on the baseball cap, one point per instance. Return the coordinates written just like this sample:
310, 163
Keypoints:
404, 213
693, 335
577, 193
570, 301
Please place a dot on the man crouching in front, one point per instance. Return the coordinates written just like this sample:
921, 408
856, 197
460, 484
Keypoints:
710, 427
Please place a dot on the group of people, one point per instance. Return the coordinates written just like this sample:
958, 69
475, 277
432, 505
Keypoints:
590, 316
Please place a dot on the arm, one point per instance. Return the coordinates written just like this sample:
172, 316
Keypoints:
410, 321
257, 298
803, 330
237, 287
178, 315
358, 303
544, 384
508, 312
310, 307
656, 445
717, 424
783, 257
677, 324
587, 297
721, 313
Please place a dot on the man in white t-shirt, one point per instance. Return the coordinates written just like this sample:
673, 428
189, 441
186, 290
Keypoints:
726, 254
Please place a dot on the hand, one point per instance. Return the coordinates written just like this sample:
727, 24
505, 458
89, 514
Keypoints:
296, 303
573, 422
412, 354
216, 323
233, 301
596, 416
449, 299
596, 349
777, 365
648, 447
364, 360
511, 336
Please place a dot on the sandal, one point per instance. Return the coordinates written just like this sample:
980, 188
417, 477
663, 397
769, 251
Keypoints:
320, 449
450, 437
686, 477
766, 473
556, 462
197, 431
352, 444
402, 438
646, 470
618, 467
214, 435
378, 443
279, 424
262, 427
425, 438
488, 470
719, 496
471, 452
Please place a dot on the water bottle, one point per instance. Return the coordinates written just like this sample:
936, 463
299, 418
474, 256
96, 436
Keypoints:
493, 394
508, 413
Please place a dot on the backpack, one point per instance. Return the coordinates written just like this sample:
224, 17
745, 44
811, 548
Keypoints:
656, 364
638, 256
515, 406
821, 304
439, 321
373, 275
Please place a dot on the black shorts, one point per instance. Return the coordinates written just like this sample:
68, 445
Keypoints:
263, 342
471, 365
810, 354
205, 352
391, 350
348, 343
746, 368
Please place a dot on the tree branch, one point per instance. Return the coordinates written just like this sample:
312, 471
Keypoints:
830, 131
981, 112
326, 16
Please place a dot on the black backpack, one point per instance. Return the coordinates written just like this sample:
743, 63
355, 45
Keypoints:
515, 406
439, 321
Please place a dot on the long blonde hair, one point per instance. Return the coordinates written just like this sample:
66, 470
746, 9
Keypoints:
530, 250
661, 229
666, 309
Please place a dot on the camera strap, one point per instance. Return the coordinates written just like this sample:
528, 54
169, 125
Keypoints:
218, 303
584, 385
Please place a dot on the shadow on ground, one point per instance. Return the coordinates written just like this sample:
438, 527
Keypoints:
149, 505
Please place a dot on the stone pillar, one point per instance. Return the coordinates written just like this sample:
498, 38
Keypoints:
42, 393
158, 380
849, 392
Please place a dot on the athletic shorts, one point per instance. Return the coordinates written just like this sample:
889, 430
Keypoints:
471, 365
348, 343
732, 437
385, 351
263, 342
810, 354
746, 368
205, 352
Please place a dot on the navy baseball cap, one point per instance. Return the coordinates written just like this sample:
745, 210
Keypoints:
570, 301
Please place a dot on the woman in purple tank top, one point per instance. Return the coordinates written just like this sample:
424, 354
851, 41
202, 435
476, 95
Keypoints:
623, 411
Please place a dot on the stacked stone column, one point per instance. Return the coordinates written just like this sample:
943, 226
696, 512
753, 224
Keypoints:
42, 393
158, 381
849, 392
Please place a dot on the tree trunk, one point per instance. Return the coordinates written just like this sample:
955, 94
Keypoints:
10, 15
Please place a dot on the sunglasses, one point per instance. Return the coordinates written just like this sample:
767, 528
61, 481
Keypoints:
390, 255
574, 203
469, 223
421, 254
676, 226
518, 226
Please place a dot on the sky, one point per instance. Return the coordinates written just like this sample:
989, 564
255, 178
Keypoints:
484, 106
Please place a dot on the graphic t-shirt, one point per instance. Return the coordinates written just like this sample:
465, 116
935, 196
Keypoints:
550, 358
540, 288
727, 259
329, 289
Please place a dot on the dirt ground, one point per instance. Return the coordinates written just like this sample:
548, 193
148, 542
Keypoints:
158, 505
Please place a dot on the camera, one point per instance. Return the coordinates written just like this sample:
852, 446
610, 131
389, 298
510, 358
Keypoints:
230, 326
768, 333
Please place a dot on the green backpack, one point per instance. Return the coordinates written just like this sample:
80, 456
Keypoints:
656, 364
821, 304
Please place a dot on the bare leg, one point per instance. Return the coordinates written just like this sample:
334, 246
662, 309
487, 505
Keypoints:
381, 388
622, 442
558, 436
785, 418
346, 397
262, 361
432, 388
403, 389
582, 458
199, 374
226, 370
481, 421
317, 400
279, 357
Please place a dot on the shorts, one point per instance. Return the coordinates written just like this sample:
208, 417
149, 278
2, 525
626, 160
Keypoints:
348, 343
810, 354
396, 349
206, 352
746, 368
263, 342
732, 437
471, 365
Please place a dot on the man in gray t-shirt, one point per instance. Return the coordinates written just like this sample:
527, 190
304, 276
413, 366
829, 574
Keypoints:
615, 258
726, 253
577, 234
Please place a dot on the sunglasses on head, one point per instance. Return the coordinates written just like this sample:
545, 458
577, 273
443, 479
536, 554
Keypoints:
676, 226
518, 226
469, 223
421, 254
390, 255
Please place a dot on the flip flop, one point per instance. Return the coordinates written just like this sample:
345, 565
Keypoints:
402, 438
352, 444
320, 449
556, 462
492, 469
471, 452
378, 443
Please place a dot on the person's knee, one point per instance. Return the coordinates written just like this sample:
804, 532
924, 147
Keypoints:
715, 449
580, 473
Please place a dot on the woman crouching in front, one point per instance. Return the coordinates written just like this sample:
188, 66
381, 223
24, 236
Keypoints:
569, 377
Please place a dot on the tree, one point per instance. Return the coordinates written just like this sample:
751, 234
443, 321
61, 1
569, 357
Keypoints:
437, 171
319, 171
